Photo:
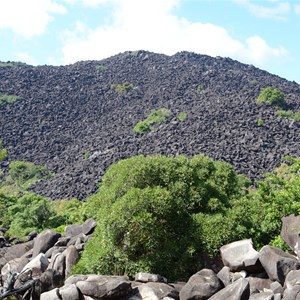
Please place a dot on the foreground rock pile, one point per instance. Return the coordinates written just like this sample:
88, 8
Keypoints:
72, 120
44, 261
44, 265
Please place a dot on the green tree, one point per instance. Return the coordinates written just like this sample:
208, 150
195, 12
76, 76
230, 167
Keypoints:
146, 211
277, 195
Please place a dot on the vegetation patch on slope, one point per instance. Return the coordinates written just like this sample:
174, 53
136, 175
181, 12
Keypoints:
7, 99
156, 116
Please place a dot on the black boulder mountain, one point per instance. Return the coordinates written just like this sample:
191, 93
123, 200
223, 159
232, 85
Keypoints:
70, 119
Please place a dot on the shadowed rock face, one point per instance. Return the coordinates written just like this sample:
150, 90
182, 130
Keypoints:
66, 112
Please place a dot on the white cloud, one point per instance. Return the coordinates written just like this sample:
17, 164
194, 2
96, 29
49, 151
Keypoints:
151, 25
28, 18
297, 9
277, 10
91, 3
257, 51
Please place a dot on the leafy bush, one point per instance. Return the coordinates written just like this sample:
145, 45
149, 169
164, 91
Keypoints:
158, 115
28, 213
272, 96
24, 173
289, 114
86, 155
66, 212
122, 87
155, 117
5, 202
200, 88
277, 195
142, 127
182, 115
101, 68
7, 99
148, 211
134, 53
260, 122
12, 64
3, 152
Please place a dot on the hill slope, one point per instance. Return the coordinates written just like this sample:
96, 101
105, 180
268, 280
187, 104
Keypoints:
70, 119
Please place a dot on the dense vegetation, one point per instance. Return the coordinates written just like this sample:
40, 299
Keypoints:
155, 211
21, 211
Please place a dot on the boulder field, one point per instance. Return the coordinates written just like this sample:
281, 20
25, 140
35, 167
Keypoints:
39, 268
78, 119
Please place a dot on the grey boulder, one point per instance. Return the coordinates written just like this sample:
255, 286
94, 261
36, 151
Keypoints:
106, 288
238, 290
277, 263
44, 241
290, 232
201, 286
240, 255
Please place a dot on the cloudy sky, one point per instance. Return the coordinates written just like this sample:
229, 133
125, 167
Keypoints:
264, 33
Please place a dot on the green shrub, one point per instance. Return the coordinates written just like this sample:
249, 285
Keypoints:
122, 87
3, 152
272, 96
134, 53
28, 213
200, 88
142, 127
260, 122
101, 68
66, 212
23, 173
11, 64
155, 117
289, 114
148, 212
182, 115
8, 64
86, 155
159, 115
277, 195
5, 202
7, 99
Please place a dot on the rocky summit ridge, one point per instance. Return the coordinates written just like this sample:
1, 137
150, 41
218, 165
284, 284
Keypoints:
72, 120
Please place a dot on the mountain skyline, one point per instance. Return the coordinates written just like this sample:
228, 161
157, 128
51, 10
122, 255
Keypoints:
52, 32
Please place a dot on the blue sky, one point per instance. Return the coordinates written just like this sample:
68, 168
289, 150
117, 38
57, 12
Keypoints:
58, 32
